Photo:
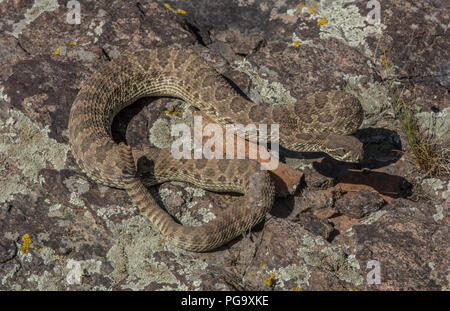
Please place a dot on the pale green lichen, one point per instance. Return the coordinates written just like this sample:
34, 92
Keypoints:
185, 216
437, 124
195, 192
207, 214
374, 96
272, 93
4, 96
298, 164
131, 257
48, 255
310, 43
346, 23
447, 287
76, 200
88, 215
77, 187
28, 147
439, 213
10, 272
55, 210
96, 26
165, 193
299, 274
112, 210
90, 266
373, 217
187, 219
39, 7
51, 280
46, 281
10, 186
76, 184
439, 186
160, 132
331, 258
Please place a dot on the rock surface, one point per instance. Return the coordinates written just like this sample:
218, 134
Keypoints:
360, 204
59, 230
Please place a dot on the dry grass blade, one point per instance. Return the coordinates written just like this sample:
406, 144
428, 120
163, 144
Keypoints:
431, 155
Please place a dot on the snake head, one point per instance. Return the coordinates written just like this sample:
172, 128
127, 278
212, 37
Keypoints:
344, 148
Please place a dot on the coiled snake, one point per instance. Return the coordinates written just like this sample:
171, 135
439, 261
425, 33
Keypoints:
320, 122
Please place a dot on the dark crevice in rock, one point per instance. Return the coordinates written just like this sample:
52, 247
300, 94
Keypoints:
141, 9
200, 32
106, 54
19, 44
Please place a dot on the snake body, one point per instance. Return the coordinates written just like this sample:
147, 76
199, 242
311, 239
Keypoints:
320, 122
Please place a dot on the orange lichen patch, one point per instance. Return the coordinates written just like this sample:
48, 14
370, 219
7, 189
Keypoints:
296, 43
26, 243
322, 21
311, 9
269, 280
171, 111
56, 52
181, 11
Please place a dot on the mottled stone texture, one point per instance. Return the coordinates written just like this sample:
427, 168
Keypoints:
322, 238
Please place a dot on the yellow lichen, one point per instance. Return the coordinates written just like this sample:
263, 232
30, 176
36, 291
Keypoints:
26, 243
269, 280
322, 21
167, 6
296, 43
56, 52
301, 5
384, 60
181, 11
73, 43
171, 111
311, 9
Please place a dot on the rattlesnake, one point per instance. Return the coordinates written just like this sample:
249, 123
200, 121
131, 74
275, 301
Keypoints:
318, 123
